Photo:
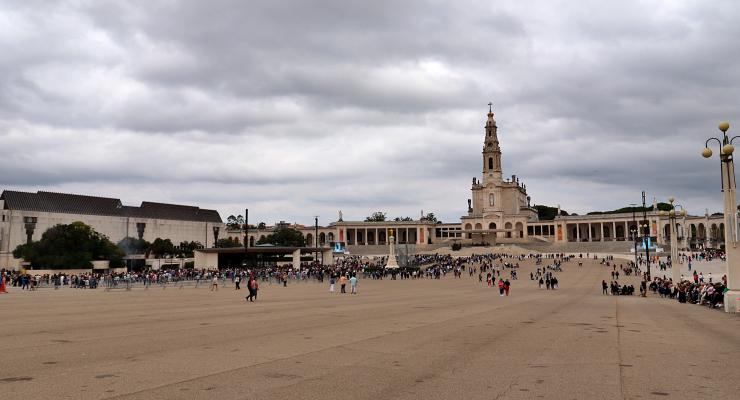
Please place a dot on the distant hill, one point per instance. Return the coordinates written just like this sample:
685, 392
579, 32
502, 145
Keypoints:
661, 207
547, 213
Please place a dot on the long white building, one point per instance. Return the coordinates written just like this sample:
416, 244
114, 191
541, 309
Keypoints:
26, 216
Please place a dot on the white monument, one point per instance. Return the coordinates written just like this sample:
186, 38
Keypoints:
391, 263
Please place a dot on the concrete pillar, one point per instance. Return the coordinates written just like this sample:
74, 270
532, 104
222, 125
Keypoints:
614, 231
578, 232
601, 225
626, 230
297, 259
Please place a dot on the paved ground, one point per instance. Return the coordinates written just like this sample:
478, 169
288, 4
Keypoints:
447, 339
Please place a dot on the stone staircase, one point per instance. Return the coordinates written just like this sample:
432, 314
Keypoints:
580, 247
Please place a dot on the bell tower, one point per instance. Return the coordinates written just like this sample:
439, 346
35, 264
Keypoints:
491, 152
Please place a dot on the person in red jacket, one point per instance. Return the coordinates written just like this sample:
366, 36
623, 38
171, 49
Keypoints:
507, 286
2, 282
501, 287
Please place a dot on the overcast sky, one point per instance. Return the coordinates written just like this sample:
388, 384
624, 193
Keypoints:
303, 108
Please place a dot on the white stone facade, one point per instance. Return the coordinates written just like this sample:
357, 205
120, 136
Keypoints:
13, 230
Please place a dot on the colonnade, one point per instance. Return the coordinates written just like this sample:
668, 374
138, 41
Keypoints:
379, 236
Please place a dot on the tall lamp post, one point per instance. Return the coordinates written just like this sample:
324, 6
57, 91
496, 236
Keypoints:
672, 213
646, 236
246, 237
633, 232
732, 296
316, 238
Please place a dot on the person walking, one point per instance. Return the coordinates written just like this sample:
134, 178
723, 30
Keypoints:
501, 287
343, 283
237, 281
253, 286
603, 287
250, 296
331, 284
250, 289
353, 284
2, 282
507, 286
214, 283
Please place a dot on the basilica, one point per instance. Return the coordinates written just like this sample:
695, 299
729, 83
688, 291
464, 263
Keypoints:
497, 205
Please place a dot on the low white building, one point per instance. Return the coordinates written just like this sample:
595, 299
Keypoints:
26, 216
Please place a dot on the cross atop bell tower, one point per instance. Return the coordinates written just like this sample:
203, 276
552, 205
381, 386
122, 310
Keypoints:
491, 151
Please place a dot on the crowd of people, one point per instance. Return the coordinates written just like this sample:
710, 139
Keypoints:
698, 288
495, 270
694, 291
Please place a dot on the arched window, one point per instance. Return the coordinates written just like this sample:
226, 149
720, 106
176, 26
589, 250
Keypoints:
490, 199
490, 162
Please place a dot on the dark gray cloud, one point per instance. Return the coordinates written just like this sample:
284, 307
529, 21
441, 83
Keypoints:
303, 108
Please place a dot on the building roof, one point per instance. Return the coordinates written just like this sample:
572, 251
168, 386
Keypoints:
65, 203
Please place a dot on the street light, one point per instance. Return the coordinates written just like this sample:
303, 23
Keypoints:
633, 232
316, 238
646, 236
732, 296
672, 213
246, 237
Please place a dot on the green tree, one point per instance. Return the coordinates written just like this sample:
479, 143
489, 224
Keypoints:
545, 213
75, 245
430, 217
287, 237
161, 247
262, 225
377, 216
130, 245
235, 222
398, 219
187, 249
227, 242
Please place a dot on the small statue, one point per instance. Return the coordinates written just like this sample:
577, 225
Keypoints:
340, 216
470, 207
